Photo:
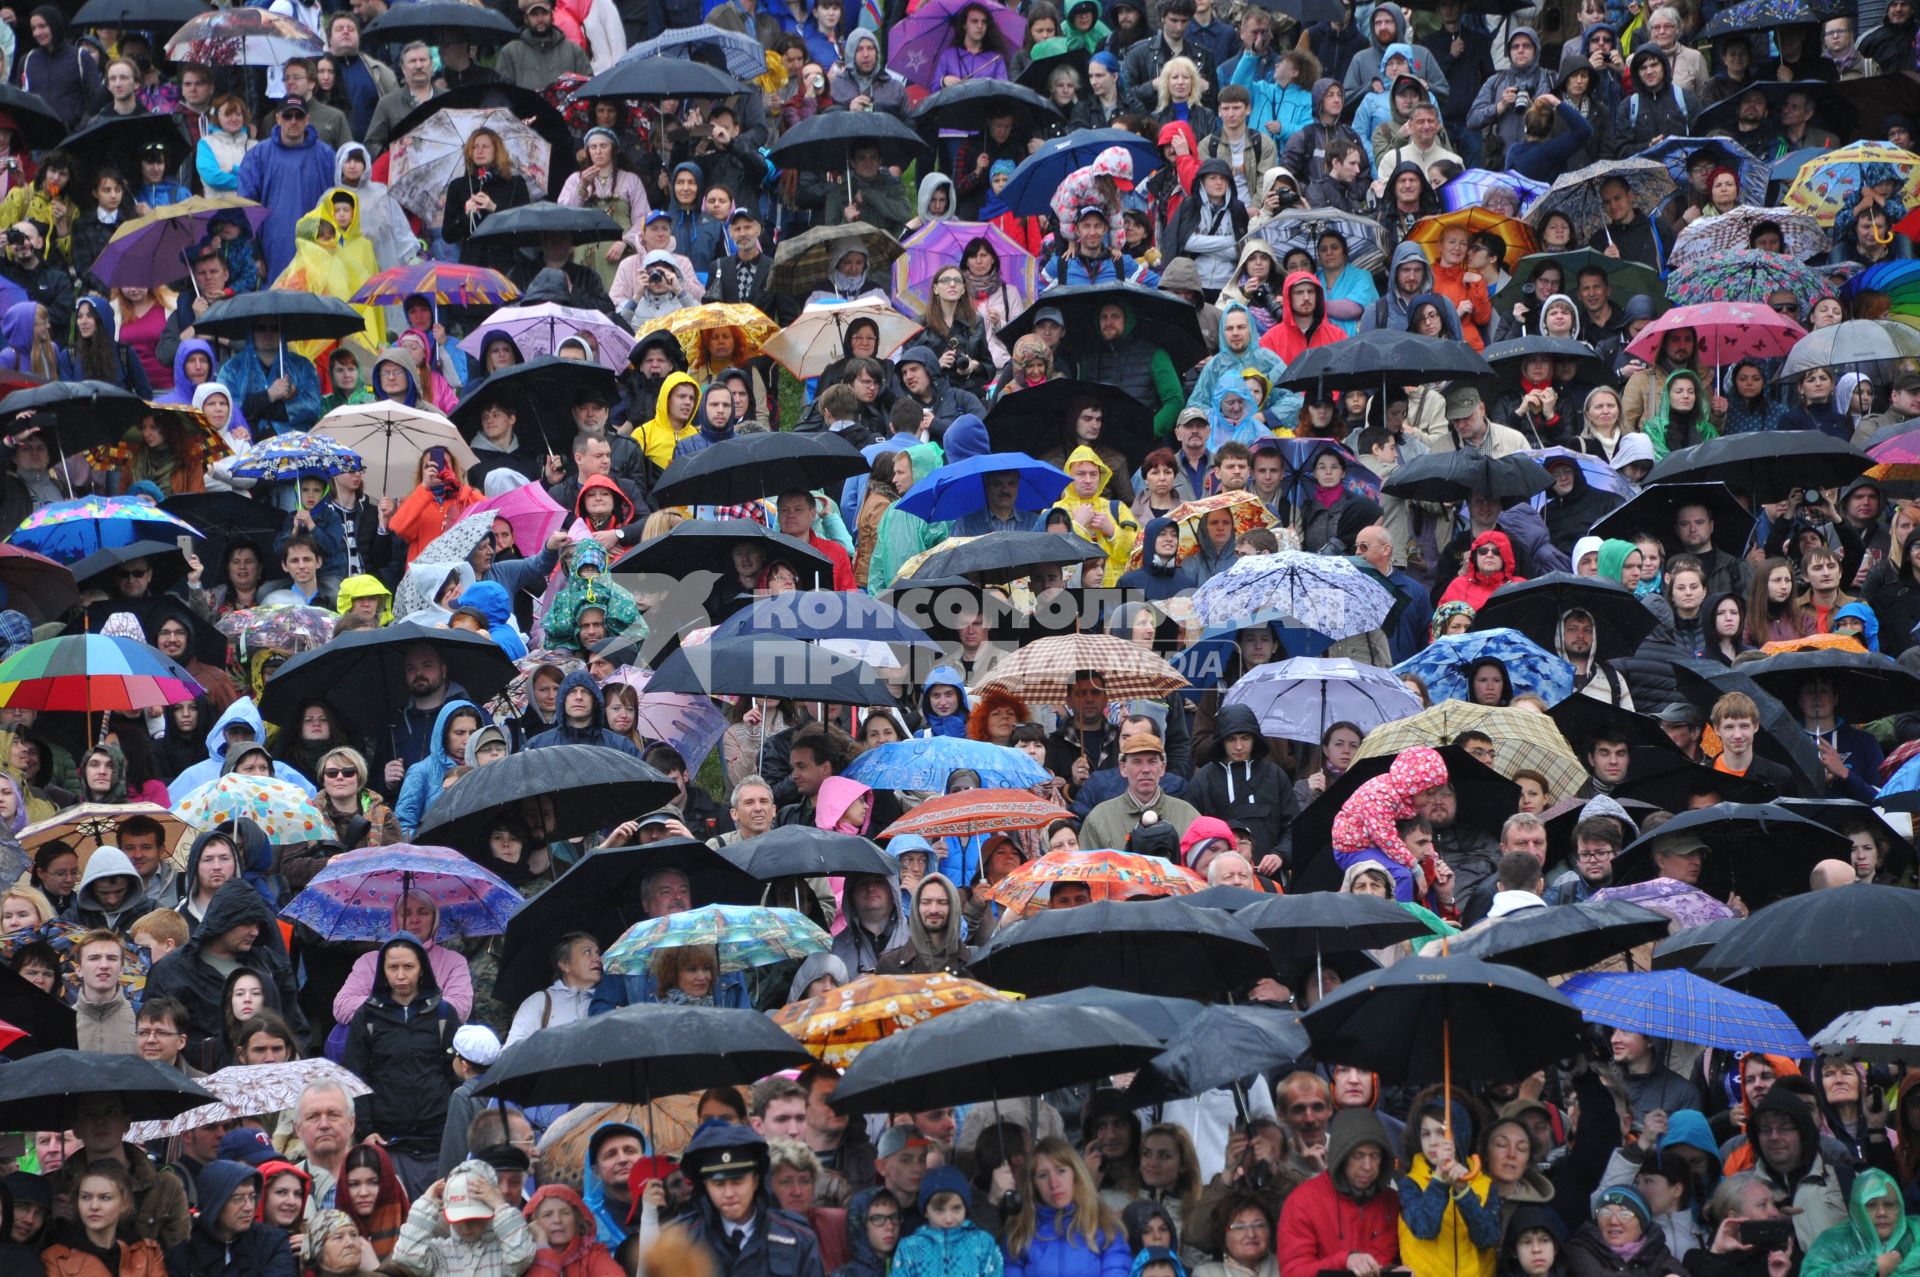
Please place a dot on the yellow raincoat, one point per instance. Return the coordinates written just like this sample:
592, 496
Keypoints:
355, 588
356, 253
1118, 544
657, 436
316, 268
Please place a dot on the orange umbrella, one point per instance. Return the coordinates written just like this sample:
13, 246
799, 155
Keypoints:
842, 1022
1110, 875
1516, 234
1814, 643
977, 811
1249, 512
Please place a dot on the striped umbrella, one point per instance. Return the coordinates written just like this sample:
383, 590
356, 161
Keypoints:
977, 811
280, 807
1109, 875
745, 936
446, 283
353, 898
93, 673
842, 1022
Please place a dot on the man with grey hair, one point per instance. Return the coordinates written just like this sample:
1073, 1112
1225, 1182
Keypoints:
1524, 831
323, 1119
416, 86
1231, 869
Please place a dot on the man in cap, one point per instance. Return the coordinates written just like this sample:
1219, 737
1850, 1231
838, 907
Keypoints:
482, 1233
732, 1213
612, 1151
1684, 725
900, 1159
1469, 430
1090, 261
1143, 765
475, 1048
541, 53
745, 274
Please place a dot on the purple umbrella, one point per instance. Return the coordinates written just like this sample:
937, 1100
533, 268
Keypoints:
689, 723
1599, 474
938, 245
920, 38
1687, 905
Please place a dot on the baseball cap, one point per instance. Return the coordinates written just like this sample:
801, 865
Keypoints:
896, 1138
1142, 743
741, 212
1091, 210
476, 1044
458, 1201
1462, 402
293, 104
248, 1144
658, 816
1680, 714
1048, 314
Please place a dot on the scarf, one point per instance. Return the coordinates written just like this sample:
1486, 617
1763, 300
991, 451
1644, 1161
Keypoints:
1328, 497
981, 285
155, 465
848, 286
678, 998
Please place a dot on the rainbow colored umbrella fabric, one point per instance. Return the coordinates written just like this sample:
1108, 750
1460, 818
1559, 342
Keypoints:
93, 673
68, 531
446, 283
354, 896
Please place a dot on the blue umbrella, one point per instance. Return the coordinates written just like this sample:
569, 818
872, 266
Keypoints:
1299, 456
1681, 1007
1442, 665
961, 488
1599, 474
354, 896
1788, 167
925, 762
1032, 185
69, 531
1205, 664
741, 53
825, 614
1678, 152
1470, 189
298, 456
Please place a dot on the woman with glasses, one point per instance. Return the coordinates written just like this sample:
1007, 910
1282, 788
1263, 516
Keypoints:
358, 815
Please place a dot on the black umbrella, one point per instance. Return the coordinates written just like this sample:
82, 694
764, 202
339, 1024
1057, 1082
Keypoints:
1687, 949
362, 674
1763, 852
601, 895
1145, 946
126, 137
76, 415
562, 791
529, 225
1486, 798
1002, 557
634, 1054
1782, 738
39, 588
1506, 355
1621, 621
801, 850
658, 79
822, 143
1723, 115
1166, 321
1382, 357
223, 518
1585, 719
1457, 475
746, 468
1232, 899
1317, 922
436, 21
1855, 107
300, 316
1897, 853
1824, 952
1220, 1047
164, 557
1308, 12
782, 668
989, 1049
1161, 1017
1039, 418
1551, 941
703, 545
1422, 1019
1765, 469
970, 104
45, 1091
524, 104
1038, 75
47, 1021
541, 393
1653, 511
1672, 783
1565, 814
40, 128
1869, 685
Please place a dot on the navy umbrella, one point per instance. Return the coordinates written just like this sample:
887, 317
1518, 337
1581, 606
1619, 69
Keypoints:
1146, 946
1762, 852
825, 614
1221, 1046
770, 666
1030, 189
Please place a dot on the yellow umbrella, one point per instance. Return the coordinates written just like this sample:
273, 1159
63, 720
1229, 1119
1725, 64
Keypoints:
1831, 182
1516, 234
750, 325
840, 1023
1248, 510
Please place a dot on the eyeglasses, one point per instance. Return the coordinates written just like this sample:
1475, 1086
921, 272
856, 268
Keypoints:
155, 1031
339, 773
1604, 853
245, 1197
133, 574
885, 1221
1783, 308
1613, 1210
1246, 1226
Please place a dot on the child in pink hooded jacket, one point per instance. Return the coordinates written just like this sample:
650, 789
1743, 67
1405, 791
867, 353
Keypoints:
1364, 828
842, 807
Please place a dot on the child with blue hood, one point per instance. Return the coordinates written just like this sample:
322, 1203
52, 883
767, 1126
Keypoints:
489, 598
457, 720
943, 704
1857, 621
949, 1244
1236, 413
1449, 1213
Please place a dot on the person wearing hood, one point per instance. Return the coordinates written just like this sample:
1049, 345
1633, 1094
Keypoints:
1158, 576
227, 1237
1682, 417
1366, 73
1449, 1214
1103, 520
662, 288
582, 717
276, 388
1890, 43
1209, 225
1409, 277
239, 722
565, 1231
1877, 1237
1657, 108
935, 201
491, 600
65, 76
678, 403
110, 894
1307, 154
1403, 123
870, 922
1306, 325
861, 81
380, 215
248, 855
287, 171
865, 1260
238, 931
398, 1040
1489, 565
1788, 1156
1346, 1210
1573, 505
1497, 108
922, 379
943, 703
1674, 1173
1241, 785
458, 718
1127, 360
933, 933
1463, 55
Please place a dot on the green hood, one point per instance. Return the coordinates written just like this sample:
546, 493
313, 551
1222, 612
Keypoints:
1855, 1245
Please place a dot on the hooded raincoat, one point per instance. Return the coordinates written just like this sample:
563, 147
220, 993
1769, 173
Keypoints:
1117, 539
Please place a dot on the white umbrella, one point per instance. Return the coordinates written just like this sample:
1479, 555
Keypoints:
242, 37
1300, 699
819, 336
1879, 1035
427, 160
392, 437
1858, 345
251, 1090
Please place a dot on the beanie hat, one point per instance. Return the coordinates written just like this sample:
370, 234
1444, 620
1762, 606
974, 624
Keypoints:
945, 1179
1622, 1195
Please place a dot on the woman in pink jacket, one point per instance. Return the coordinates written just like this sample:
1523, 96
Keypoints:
417, 915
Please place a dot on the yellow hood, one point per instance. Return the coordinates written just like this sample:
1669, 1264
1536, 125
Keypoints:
1085, 453
657, 435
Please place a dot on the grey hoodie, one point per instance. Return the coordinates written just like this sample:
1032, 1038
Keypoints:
1365, 67
1534, 81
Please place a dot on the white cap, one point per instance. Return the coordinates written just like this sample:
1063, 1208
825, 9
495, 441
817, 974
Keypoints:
476, 1044
460, 1202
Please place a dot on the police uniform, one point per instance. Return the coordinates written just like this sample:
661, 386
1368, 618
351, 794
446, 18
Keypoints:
774, 1242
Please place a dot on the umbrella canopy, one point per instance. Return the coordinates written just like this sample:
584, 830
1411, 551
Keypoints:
1677, 153
392, 438
539, 329
300, 317
147, 251
1245, 508
960, 487
996, 559
1454, 476
1868, 684
525, 106
1485, 797
1162, 319
1885, 1036
1782, 736
1577, 194
88, 827
925, 762
1423, 1019
1507, 356
69, 531
771, 666
841, 1023
1514, 233
362, 674
825, 143
991, 1049
1832, 182
744, 936
1444, 664
52, 1086
789, 851
1625, 279
528, 511
1474, 185
1108, 875
1734, 835
915, 43
38, 125
1044, 671
93, 673
939, 245
1300, 698
1044, 414
1727, 332
1381, 357
250, 1090
1552, 941
541, 392
805, 261
1686, 947
1318, 592
281, 808
1302, 228
1033, 183
283, 627
446, 283
1896, 851
354, 897
428, 153
706, 545
639, 1052
977, 811
1522, 741
163, 559
244, 37
1862, 345
818, 338
298, 456
1732, 232
1535, 608
1769, 469
1814, 955
748, 468
969, 104
36, 585
76, 415
744, 57
1218, 1047
657, 79
1655, 508
437, 20
1746, 275
1144, 946
1317, 923
1678, 1006
825, 614
688, 325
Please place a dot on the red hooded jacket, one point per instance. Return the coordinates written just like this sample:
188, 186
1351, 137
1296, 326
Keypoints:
1286, 339
1474, 587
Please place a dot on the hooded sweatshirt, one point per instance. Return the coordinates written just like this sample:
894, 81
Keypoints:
658, 435
262, 1248
1253, 793
451, 976
1287, 339
1474, 587
110, 862
595, 732
927, 952
1156, 578
1326, 1220
425, 778
194, 977
859, 949
954, 724
491, 598
241, 711
402, 1052
1366, 820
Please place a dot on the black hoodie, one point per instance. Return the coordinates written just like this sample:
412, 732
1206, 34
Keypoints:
190, 978
401, 1052
67, 77
1254, 793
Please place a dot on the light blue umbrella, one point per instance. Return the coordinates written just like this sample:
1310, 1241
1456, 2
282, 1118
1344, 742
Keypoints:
1681, 1007
1205, 664
742, 54
925, 762
961, 487
1320, 592
1442, 665
1300, 699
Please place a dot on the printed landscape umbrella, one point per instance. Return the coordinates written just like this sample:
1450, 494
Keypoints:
938, 245
1523, 740
818, 338
244, 37
354, 896
1162, 946
1887, 1036
52, 1086
1832, 182
1824, 952
745, 936
1678, 1006
147, 251
1535, 608
298, 456
1746, 275
40, 587
539, 329
1714, 236
281, 808
564, 791
1679, 152
446, 283
1767, 468
1109, 875
836, 1026
1300, 698
95, 674
1318, 592
248, 1090
1577, 194
1761, 852
925, 762
1443, 664
1554, 941
429, 152
791, 851
1044, 671
282, 627
1248, 512
977, 811
194, 427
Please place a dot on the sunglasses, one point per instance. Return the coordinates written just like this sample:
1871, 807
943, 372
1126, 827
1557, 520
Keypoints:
339, 773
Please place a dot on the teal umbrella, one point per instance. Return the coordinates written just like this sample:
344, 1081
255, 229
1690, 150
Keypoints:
745, 936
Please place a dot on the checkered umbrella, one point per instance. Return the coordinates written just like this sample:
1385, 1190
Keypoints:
1523, 741
841, 1023
1109, 875
1042, 672
1681, 1007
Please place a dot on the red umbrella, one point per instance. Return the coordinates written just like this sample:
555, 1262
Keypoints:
1728, 332
9, 1035
977, 811
35, 584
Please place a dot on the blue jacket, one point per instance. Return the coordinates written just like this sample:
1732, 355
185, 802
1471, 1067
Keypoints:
425, 777
1057, 1251
248, 379
954, 724
595, 733
261, 1251
492, 599
241, 711
329, 530
288, 180
616, 991
966, 1251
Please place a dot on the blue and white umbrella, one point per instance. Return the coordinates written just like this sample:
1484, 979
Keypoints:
1443, 665
925, 762
1681, 1007
299, 456
1320, 592
1299, 699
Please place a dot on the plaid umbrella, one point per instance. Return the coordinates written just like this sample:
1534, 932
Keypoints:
1319, 592
94, 673
1443, 664
68, 531
251, 1090
1681, 1007
298, 456
1514, 233
1110, 875
354, 896
1248, 510
1043, 671
977, 811
1746, 275
745, 935
1577, 194
1471, 188
1878, 1035
925, 762
1727, 332
841, 1023
938, 245
1523, 741
750, 325
1832, 182
447, 283
1710, 237
280, 807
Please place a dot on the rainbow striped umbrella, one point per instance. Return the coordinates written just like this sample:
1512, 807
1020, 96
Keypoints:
446, 283
93, 673
71, 530
278, 806
745, 936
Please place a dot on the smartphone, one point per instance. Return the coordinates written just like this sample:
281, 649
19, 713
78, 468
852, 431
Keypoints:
1766, 1234
185, 543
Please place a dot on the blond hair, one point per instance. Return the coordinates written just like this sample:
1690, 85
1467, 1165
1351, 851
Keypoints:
1092, 1222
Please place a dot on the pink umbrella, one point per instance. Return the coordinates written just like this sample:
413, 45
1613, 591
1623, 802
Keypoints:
691, 724
530, 512
1727, 331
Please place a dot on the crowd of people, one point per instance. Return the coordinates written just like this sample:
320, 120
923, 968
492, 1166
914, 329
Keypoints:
1223, 300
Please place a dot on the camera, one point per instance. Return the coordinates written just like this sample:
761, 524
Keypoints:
1766, 1234
1260, 295
953, 345
658, 276
16, 236
1523, 100
1811, 496
1286, 197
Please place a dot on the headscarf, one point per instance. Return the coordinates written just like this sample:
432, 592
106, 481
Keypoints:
1446, 612
1856, 1244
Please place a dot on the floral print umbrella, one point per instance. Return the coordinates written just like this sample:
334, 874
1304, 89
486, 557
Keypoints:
745, 935
1320, 592
1746, 275
842, 1022
242, 37
353, 898
1109, 875
249, 1090
68, 531
1732, 232
298, 456
1248, 512
279, 807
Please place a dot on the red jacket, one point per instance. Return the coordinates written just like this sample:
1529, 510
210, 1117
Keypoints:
1285, 338
1320, 1226
837, 555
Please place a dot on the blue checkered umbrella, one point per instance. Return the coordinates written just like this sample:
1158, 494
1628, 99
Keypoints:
1682, 1007
1443, 665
